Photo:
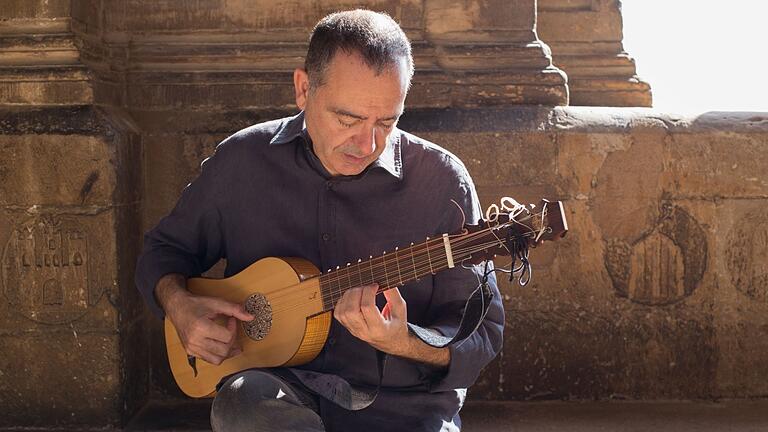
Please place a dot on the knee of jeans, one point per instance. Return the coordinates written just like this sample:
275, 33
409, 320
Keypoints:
246, 386
251, 400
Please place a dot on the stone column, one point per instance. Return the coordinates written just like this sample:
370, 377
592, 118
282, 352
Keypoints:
68, 238
586, 41
481, 53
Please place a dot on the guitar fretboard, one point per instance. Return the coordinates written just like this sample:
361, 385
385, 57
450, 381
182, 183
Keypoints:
401, 266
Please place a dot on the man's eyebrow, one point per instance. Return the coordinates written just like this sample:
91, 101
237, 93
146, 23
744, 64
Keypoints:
341, 111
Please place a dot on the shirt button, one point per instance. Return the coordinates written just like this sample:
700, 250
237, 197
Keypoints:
326, 236
331, 341
329, 185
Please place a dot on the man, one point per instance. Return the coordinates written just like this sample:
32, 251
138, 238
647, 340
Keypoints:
333, 184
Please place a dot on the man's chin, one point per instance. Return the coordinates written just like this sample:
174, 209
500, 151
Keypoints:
352, 167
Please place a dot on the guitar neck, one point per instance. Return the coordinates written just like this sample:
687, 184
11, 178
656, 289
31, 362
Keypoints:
400, 266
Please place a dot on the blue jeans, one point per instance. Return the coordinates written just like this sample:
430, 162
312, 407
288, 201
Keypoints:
259, 400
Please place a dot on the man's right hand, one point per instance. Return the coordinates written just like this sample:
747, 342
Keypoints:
195, 319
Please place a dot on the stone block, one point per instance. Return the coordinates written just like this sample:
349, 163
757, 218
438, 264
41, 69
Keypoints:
82, 389
55, 170
71, 332
30, 9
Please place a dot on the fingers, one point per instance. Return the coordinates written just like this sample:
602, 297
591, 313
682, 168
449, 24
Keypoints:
212, 351
368, 307
349, 309
216, 351
396, 304
203, 333
223, 307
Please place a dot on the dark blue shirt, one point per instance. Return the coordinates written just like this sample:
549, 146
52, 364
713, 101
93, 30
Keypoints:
264, 193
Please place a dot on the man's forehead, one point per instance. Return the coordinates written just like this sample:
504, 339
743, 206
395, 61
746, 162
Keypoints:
342, 59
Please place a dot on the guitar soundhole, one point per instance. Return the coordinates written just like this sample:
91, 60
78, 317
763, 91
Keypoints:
258, 306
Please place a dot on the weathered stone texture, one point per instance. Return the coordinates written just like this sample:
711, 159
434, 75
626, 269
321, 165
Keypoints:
586, 41
656, 285
232, 55
68, 241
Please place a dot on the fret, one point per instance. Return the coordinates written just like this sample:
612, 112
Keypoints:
386, 274
413, 260
370, 267
429, 258
359, 273
399, 273
348, 271
337, 295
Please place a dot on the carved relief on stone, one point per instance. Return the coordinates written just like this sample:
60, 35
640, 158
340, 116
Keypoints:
664, 265
45, 274
746, 256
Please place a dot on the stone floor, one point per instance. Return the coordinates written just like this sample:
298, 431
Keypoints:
737, 415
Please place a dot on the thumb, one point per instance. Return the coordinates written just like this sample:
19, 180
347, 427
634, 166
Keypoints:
396, 303
228, 308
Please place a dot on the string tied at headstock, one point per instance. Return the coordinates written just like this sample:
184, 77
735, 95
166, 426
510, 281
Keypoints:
510, 229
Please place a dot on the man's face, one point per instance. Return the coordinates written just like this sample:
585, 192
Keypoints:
351, 116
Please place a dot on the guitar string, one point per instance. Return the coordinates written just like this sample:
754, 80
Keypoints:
334, 294
421, 265
341, 273
386, 268
380, 273
333, 297
381, 270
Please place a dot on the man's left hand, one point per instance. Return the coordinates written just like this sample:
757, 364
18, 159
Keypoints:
386, 329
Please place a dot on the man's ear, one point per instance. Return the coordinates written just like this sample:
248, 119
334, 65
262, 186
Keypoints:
301, 87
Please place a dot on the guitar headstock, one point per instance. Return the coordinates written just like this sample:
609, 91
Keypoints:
513, 225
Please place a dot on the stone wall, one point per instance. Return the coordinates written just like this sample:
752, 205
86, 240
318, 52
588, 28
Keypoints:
659, 291
107, 108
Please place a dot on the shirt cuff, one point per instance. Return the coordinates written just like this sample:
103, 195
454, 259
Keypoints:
151, 268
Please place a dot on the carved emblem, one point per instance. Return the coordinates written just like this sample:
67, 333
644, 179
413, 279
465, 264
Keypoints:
258, 306
45, 270
747, 256
664, 265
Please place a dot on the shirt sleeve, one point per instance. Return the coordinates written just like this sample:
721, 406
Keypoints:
452, 288
188, 240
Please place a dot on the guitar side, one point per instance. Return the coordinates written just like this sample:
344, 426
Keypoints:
298, 327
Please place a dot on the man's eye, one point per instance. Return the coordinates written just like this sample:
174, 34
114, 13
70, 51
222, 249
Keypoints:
386, 126
345, 124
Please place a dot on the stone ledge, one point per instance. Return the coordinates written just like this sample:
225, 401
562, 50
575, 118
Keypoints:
76, 120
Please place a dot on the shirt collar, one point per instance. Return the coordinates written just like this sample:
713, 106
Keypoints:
390, 159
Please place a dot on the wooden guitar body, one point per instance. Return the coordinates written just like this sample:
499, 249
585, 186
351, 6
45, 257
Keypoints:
297, 331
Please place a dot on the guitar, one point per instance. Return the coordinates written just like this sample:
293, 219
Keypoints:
293, 301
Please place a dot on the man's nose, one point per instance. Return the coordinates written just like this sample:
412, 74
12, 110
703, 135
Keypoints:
366, 141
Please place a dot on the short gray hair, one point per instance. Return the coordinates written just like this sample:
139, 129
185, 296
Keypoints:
375, 36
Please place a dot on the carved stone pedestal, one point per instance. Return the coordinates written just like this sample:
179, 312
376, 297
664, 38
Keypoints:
586, 41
